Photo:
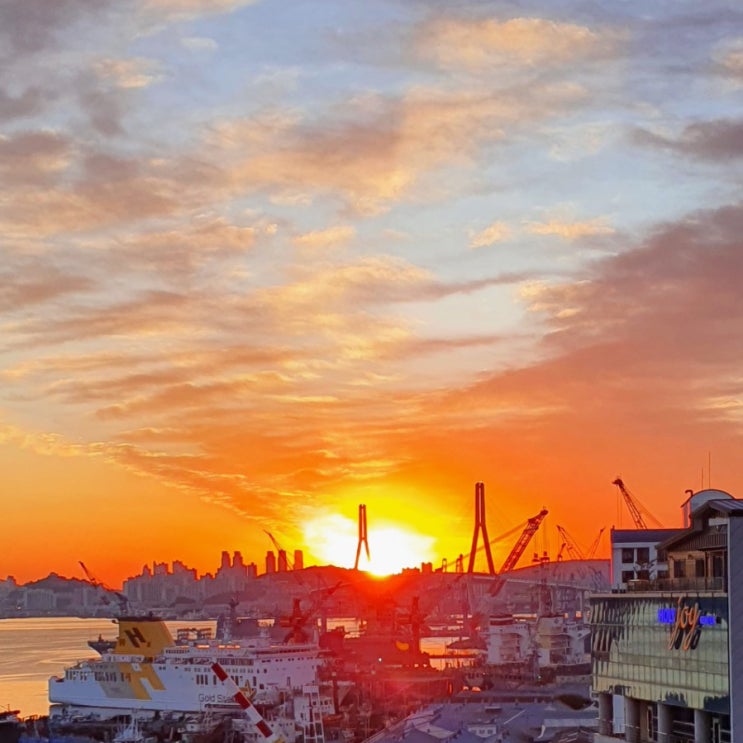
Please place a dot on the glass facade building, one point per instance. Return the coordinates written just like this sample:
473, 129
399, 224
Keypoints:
664, 652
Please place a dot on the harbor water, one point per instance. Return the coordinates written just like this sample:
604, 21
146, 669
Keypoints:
34, 649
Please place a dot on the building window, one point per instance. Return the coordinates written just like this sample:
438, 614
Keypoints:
628, 575
643, 555
718, 570
628, 555
699, 570
679, 569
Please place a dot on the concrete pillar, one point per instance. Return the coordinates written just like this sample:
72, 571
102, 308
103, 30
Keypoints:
632, 720
702, 726
606, 714
664, 723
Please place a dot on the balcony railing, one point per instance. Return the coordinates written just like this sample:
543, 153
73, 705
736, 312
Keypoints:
678, 584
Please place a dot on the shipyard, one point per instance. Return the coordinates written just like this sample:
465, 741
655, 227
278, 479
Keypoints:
349, 655
530, 653
506, 653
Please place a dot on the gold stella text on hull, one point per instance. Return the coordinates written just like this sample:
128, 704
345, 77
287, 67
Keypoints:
146, 669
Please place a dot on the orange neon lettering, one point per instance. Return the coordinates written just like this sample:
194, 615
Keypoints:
686, 627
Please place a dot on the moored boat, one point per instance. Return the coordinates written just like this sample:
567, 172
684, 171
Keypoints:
147, 669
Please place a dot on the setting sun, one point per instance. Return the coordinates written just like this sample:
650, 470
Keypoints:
334, 540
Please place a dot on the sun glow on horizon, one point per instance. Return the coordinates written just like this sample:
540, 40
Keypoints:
334, 539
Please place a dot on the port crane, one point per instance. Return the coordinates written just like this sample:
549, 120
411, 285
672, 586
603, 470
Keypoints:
634, 506
296, 622
279, 550
255, 717
568, 542
595, 545
523, 541
528, 527
120, 597
517, 551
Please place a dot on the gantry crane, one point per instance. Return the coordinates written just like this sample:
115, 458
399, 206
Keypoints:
523, 541
633, 506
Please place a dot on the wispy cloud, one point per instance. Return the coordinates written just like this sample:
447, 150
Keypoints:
572, 230
323, 239
493, 233
128, 73
718, 140
481, 44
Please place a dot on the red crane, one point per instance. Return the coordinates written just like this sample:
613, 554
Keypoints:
523, 541
266, 733
298, 619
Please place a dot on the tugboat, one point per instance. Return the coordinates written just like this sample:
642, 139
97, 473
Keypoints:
11, 726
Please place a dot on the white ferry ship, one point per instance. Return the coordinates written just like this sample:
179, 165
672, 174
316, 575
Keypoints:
147, 670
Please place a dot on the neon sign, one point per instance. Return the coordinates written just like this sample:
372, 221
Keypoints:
668, 616
686, 624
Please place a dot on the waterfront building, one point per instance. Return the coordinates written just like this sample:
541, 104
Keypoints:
667, 649
634, 555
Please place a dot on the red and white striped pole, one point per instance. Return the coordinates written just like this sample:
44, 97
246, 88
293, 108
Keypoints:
248, 707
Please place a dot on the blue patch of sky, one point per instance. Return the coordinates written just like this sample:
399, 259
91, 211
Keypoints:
252, 45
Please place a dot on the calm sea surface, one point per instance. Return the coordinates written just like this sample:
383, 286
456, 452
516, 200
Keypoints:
32, 650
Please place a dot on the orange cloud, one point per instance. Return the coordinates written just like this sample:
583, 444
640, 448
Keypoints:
572, 230
384, 147
320, 240
496, 232
128, 73
480, 45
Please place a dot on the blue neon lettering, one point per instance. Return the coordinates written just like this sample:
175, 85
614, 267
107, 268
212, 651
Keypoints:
668, 616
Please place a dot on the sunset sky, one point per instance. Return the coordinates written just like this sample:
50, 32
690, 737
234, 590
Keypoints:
265, 261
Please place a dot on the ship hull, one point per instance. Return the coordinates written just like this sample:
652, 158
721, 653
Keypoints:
147, 671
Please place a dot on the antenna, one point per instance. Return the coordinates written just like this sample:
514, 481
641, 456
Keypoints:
709, 470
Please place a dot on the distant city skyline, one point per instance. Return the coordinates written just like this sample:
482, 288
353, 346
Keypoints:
266, 261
